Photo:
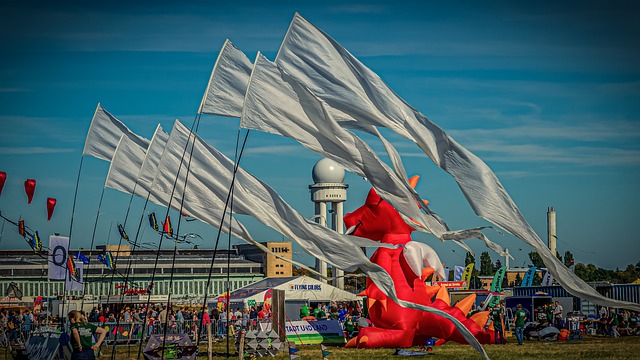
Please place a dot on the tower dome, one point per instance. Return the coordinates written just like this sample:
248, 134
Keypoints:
327, 171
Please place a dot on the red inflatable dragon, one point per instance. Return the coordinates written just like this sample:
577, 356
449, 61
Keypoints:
409, 266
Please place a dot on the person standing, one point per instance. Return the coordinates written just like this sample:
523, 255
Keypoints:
613, 323
519, 318
557, 315
349, 327
550, 314
82, 337
496, 316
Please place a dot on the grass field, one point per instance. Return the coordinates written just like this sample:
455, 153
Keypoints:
591, 347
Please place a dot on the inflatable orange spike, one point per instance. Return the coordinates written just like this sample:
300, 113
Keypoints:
480, 318
363, 293
432, 290
413, 181
370, 302
443, 295
384, 303
426, 272
352, 343
363, 340
465, 304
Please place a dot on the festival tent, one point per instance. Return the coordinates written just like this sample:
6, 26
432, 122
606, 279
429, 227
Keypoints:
297, 290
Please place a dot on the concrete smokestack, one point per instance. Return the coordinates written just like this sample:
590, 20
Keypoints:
551, 229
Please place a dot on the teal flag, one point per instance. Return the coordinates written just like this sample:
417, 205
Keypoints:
498, 278
528, 277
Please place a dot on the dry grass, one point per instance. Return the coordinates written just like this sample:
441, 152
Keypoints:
591, 347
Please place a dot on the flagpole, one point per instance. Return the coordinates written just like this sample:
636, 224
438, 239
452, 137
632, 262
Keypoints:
73, 210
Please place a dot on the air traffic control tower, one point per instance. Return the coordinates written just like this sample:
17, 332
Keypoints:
329, 189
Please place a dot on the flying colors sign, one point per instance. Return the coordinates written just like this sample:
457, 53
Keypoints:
307, 287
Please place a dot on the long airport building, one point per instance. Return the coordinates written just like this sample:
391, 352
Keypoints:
188, 273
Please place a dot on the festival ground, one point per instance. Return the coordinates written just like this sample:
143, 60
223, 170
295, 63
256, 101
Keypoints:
591, 347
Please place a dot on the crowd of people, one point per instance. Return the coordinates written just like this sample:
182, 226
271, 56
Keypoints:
618, 323
226, 321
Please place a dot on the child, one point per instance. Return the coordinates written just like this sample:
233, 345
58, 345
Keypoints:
82, 337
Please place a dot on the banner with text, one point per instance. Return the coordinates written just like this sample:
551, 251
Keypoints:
312, 332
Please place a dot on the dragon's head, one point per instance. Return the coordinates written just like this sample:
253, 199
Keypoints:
377, 218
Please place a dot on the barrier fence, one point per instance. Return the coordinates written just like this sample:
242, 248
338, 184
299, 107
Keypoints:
133, 332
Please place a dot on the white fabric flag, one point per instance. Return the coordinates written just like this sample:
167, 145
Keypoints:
457, 273
278, 104
547, 280
228, 83
147, 172
212, 173
128, 163
72, 284
225, 96
345, 84
58, 252
104, 133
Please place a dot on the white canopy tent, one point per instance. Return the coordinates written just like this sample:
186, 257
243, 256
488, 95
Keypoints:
296, 288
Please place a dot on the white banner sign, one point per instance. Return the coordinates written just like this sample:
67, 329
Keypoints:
311, 332
58, 252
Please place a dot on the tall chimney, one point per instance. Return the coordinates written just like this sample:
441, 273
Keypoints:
551, 229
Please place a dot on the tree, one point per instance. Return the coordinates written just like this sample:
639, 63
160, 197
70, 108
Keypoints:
498, 265
536, 259
537, 279
298, 271
354, 283
518, 280
469, 258
568, 258
486, 267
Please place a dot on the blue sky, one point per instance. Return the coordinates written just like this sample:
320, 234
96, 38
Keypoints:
547, 94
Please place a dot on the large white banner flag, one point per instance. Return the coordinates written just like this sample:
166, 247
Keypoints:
104, 133
130, 160
228, 83
344, 83
58, 253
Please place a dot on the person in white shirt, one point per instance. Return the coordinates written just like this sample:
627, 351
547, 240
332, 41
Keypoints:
557, 315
